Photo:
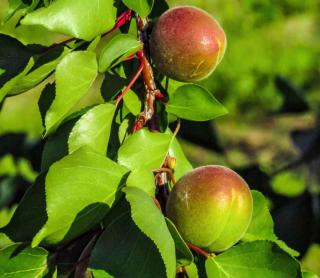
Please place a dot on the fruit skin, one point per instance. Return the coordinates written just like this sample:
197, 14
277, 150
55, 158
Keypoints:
211, 207
187, 43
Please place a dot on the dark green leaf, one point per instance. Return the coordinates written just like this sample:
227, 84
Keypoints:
56, 145
193, 102
88, 183
19, 260
253, 259
30, 215
159, 7
118, 49
14, 60
77, 18
123, 250
35, 76
142, 7
154, 226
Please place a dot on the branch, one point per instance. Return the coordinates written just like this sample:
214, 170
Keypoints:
150, 90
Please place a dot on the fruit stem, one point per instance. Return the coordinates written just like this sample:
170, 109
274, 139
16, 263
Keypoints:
168, 171
182, 273
198, 250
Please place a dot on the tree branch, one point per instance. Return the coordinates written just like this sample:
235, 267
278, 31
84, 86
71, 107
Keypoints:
151, 93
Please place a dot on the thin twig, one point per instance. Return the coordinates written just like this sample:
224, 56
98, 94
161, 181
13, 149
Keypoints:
134, 79
198, 250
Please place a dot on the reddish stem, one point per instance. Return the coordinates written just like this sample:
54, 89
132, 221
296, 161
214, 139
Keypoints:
134, 79
120, 21
198, 250
130, 57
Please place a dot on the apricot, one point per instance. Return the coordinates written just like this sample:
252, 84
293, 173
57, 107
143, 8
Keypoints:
211, 207
187, 43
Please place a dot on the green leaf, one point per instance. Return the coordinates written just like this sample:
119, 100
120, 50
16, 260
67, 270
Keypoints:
118, 49
74, 76
132, 101
254, 259
14, 58
261, 226
142, 7
35, 76
88, 183
310, 261
309, 275
123, 250
7, 87
13, 6
192, 271
93, 44
56, 145
182, 165
93, 129
183, 253
144, 149
30, 214
154, 226
123, 130
193, 102
19, 260
77, 18
2, 71
100, 274
143, 179
33, 34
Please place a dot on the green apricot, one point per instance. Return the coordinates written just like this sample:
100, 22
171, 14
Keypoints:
187, 43
211, 207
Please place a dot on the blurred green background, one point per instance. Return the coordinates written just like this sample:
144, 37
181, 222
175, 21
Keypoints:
268, 40
265, 38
